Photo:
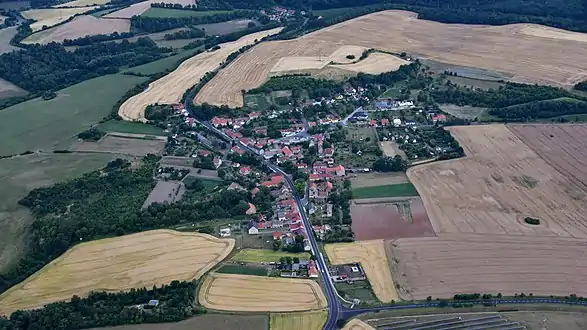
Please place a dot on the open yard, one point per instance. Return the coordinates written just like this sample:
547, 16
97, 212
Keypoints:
79, 27
259, 255
371, 255
141, 7
246, 293
52, 16
21, 174
389, 190
387, 219
531, 53
145, 259
171, 87
208, 321
298, 321
39, 124
121, 145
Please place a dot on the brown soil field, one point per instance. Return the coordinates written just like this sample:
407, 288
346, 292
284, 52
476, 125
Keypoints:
170, 88
530, 57
141, 7
140, 260
82, 3
377, 179
463, 263
204, 322
561, 146
371, 255
376, 63
52, 16
247, 293
380, 220
497, 185
79, 27
391, 149
295, 321
356, 324
120, 145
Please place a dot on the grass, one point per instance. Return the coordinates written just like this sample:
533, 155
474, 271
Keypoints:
242, 270
162, 65
391, 93
209, 185
167, 12
104, 12
43, 125
259, 255
122, 126
313, 320
358, 290
390, 190
257, 101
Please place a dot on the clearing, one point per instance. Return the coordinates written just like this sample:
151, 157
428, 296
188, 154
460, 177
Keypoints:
390, 148
244, 293
170, 89
52, 16
81, 26
222, 28
20, 175
495, 48
82, 3
262, 255
141, 7
54, 122
463, 112
391, 190
204, 322
371, 255
121, 145
376, 179
463, 263
296, 321
356, 324
149, 258
500, 182
389, 218
165, 191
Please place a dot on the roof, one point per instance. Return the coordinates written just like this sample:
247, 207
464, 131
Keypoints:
244, 170
252, 209
277, 235
238, 150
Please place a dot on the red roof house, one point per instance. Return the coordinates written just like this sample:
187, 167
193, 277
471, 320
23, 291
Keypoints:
252, 209
204, 153
384, 122
245, 170
287, 152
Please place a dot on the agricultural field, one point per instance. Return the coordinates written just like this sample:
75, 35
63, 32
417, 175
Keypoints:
168, 12
168, 63
242, 270
259, 255
375, 63
82, 3
21, 174
121, 126
242, 293
498, 184
373, 179
389, 218
296, 321
52, 16
356, 324
79, 27
5, 37
493, 48
372, 257
207, 321
171, 87
222, 28
121, 145
8, 89
149, 258
391, 190
464, 112
141, 7
48, 124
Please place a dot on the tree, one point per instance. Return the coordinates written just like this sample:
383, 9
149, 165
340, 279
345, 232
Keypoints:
276, 245
300, 186
347, 184
390, 164
296, 260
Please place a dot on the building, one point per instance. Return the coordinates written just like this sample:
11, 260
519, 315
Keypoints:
348, 273
217, 162
252, 209
245, 170
252, 228
224, 232
235, 186
439, 118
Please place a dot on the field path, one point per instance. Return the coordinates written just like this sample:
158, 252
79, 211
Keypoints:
169, 89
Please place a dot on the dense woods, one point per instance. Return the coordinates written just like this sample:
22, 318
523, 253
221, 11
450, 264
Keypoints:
582, 86
541, 110
176, 302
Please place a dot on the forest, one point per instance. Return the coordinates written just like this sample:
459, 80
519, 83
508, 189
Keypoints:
176, 301
582, 86
540, 110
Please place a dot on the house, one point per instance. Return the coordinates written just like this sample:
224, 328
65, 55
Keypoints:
237, 150
221, 122
235, 186
329, 152
275, 181
397, 122
204, 153
153, 303
301, 166
178, 107
318, 166
252, 228
349, 273
245, 170
321, 230
252, 209
254, 192
232, 134
384, 104
329, 161
287, 152
191, 122
373, 123
217, 162
337, 170
405, 103
254, 115
321, 176
384, 122
438, 118
411, 123
277, 235
312, 271
328, 213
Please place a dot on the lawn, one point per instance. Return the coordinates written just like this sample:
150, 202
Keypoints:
391, 93
244, 270
122, 126
259, 255
390, 190
257, 101
43, 125
162, 65
167, 12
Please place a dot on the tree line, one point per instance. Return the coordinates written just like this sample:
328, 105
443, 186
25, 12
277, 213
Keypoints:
316, 87
540, 110
582, 86
90, 39
158, 24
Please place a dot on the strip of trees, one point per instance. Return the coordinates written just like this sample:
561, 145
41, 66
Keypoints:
158, 24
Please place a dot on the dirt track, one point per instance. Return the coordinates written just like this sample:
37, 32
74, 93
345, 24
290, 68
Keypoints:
169, 89
531, 53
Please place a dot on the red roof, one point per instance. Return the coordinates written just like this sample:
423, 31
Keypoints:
384, 121
245, 170
204, 153
275, 180
372, 122
295, 226
238, 150
439, 117
311, 123
178, 106
277, 235
286, 151
320, 176
329, 151
254, 115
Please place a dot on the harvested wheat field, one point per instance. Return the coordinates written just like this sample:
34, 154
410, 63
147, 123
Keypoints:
170, 88
529, 56
247, 293
376, 63
356, 324
52, 16
371, 255
82, 3
501, 182
463, 263
314, 320
141, 7
140, 260
79, 27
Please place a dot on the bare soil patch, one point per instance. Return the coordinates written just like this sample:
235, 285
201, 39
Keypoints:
82, 3
79, 27
121, 145
463, 263
52, 16
247, 293
528, 58
372, 257
391, 149
145, 259
141, 7
377, 179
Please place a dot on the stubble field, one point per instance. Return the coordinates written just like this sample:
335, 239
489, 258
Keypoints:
531, 53
52, 16
140, 260
248, 293
82, 3
295, 321
141, 7
371, 255
79, 27
356, 324
170, 88
121, 145
376, 63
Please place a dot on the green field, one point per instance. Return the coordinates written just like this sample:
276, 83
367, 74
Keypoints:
258, 255
391, 93
244, 270
162, 65
167, 12
257, 101
43, 125
122, 126
19, 175
390, 190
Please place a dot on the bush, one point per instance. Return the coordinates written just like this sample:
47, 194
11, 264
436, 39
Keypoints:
532, 221
350, 57
92, 134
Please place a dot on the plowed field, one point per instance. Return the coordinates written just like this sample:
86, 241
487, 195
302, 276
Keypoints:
531, 53
246, 293
140, 260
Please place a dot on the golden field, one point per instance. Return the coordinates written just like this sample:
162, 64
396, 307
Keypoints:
82, 3
140, 260
356, 324
79, 27
314, 320
52, 16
